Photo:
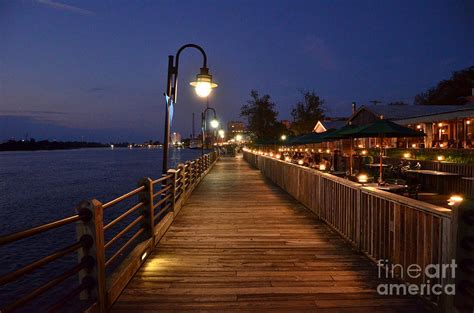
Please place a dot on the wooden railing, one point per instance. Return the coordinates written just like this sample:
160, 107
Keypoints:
110, 250
382, 225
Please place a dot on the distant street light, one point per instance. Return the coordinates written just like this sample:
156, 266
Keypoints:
221, 133
214, 124
238, 137
283, 137
203, 87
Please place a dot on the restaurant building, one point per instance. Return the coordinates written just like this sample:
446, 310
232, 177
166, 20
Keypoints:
445, 126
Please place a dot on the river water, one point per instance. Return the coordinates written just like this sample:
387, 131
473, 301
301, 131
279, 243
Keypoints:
42, 186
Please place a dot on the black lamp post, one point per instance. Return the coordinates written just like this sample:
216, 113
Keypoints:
203, 86
214, 124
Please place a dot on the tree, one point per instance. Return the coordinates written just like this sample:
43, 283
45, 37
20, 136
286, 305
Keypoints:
307, 112
452, 91
261, 117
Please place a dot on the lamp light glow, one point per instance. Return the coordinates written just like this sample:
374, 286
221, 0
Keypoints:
362, 178
214, 123
283, 137
406, 155
300, 162
203, 84
322, 167
238, 137
440, 157
455, 200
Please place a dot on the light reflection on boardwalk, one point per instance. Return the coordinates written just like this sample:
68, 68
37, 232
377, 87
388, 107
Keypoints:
243, 244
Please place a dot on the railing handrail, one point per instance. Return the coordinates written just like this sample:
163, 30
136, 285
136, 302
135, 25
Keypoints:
190, 175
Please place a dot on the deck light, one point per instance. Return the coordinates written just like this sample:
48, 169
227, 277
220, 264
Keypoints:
277, 156
306, 150
440, 157
203, 84
328, 151
271, 154
320, 150
144, 255
312, 150
455, 200
322, 167
362, 178
418, 126
363, 152
468, 122
287, 159
406, 155
300, 162
413, 145
440, 125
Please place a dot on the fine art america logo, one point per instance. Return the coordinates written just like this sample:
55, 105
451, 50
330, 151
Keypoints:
434, 275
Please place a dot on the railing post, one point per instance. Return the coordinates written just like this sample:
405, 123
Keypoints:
189, 173
148, 210
172, 182
182, 176
91, 229
462, 250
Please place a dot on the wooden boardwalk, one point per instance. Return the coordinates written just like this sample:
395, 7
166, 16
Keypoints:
243, 244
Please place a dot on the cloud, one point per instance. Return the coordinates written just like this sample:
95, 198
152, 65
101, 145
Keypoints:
64, 7
320, 51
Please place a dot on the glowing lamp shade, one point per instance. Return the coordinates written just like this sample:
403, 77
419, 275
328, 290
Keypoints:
203, 84
454, 200
362, 178
214, 123
322, 167
300, 162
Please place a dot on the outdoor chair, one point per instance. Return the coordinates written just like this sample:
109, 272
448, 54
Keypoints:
413, 190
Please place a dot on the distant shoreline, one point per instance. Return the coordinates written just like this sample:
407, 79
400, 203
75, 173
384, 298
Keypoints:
32, 145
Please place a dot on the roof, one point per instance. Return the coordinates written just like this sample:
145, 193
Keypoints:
335, 124
399, 112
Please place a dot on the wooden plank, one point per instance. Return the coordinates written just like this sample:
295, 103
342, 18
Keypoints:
241, 243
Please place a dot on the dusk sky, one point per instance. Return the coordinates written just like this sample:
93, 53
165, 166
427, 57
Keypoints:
96, 70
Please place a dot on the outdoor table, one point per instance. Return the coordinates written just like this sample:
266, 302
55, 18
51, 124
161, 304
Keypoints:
387, 187
376, 165
438, 174
338, 173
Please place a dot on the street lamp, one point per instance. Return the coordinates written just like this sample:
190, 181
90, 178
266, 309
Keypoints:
221, 133
203, 87
283, 137
214, 124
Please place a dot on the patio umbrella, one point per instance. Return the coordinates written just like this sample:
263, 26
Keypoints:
385, 129
349, 131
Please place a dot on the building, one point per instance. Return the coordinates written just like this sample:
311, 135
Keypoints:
287, 123
329, 123
445, 126
234, 128
175, 138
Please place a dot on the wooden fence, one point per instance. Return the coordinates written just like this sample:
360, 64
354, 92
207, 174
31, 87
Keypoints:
382, 225
107, 262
